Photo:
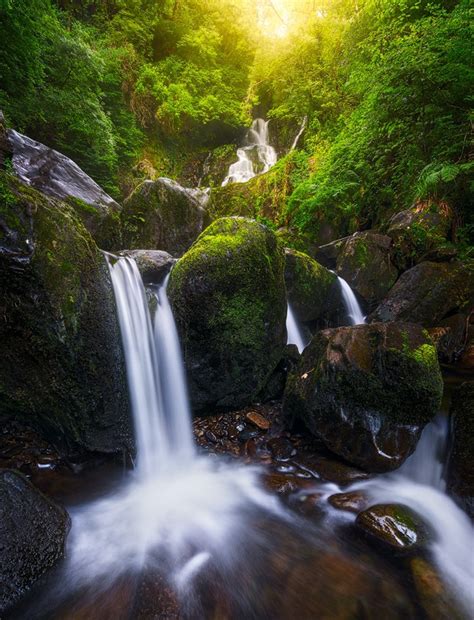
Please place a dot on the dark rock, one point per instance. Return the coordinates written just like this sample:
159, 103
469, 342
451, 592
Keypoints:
33, 532
466, 359
461, 472
328, 254
63, 369
367, 391
228, 296
282, 449
154, 265
258, 420
330, 470
429, 292
395, 526
353, 501
364, 261
450, 337
419, 231
56, 175
433, 595
162, 215
311, 288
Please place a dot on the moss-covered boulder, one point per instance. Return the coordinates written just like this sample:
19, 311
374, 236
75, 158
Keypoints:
364, 261
428, 293
367, 391
394, 526
461, 472
56, 175
162, 215
313, 290
33, 535
229, 301
419, 231
62, 365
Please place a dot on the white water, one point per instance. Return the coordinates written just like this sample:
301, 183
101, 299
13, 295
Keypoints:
293, 330
299, 134
177, 510
351, 304
420, 484
255, 157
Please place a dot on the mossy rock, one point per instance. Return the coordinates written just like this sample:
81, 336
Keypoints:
62, 366
367, 391
162, 215
460, 471
365, 262
312, 289
395, 526
428, 293
229, 301
418, 231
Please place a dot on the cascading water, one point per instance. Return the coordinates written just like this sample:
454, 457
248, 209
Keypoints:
255, 157
293, 330
304, 122
351, 304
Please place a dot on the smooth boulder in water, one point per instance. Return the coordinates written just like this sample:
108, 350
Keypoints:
153, 265
312, 289
367, 391
428, 293
33, 532
62, 370
162, 215
229, 301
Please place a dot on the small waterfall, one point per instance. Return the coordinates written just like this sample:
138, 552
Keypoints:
293, 330
351, 304
154, 368
299, 134
255, 157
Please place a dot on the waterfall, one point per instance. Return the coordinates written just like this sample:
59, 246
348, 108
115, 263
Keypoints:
299, 134
255, 157
154, 369
351, 304
293, 330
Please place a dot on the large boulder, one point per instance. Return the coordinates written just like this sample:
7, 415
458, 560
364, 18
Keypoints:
56, 175
461, 473
62, 365
419, 231
33, 531
313, 290
229, 301
364, 261
428, 293
162, 215
153, 265
367, 391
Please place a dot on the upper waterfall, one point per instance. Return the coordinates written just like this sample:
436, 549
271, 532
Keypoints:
255, 157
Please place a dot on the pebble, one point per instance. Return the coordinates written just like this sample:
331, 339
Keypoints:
258, 420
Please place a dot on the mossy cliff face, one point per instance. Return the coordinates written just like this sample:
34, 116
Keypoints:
162, 215
62, 365
367, 391
229, 301
312, 289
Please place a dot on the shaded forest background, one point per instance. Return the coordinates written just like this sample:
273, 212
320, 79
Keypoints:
131, 88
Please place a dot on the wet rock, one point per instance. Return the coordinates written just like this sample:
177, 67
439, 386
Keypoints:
367, 391
154, 265
460, 471
162, 215
56, 175
365, 262
282, 449
63, 370
394, 525
33, 532
258, 420
353, 501
428, 293
280, 483
228, 297
450, 337
330, 470
418, 231
312, 289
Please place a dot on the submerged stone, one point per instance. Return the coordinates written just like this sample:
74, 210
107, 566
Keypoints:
33, 532
228, 296
367, 391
